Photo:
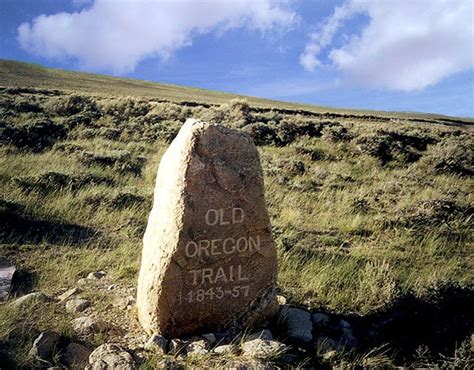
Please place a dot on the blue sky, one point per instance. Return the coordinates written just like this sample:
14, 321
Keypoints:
400, 55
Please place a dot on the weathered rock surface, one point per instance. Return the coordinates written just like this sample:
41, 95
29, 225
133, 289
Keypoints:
69, 294
7, 269
261, 348
110, 356
44, 346
76, 356
209, 260
87, 325
224, 349
29, 299
298, 323
77, 305
157, 343
197, 347
320, 319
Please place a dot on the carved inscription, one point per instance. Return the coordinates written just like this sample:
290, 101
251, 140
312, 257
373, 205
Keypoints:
216, 280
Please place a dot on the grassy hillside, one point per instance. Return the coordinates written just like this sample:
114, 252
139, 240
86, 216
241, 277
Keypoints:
13, 73
372, 212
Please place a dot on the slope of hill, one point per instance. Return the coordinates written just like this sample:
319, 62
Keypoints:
371, 212
13, 73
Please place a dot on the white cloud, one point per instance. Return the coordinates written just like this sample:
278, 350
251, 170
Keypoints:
118, 35
407, 44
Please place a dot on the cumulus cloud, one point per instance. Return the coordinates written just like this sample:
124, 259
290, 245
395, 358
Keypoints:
118, 35
406, 45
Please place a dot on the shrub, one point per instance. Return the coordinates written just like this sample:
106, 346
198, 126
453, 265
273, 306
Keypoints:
119, 201
23, 106
50, 182
453, 156
168, 112
120, 160
125, 108
35, 135
287, 133
336, 133
388, 146
235, 113
261, 133
74, 104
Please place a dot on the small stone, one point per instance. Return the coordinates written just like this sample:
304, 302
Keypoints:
320, 319
77, 305
77, 356
157, 343
262, 334
344, 324
261, 348
224, 349
176, 345
44, 346
281, 300
83, 282
96, 275
298, 324
210, 337
347, 338
197, 347
28, 299
87, 325
124, 303
69, 294
7, 269
110, 356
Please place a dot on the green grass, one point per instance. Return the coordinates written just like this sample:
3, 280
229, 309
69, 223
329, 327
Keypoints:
354, 234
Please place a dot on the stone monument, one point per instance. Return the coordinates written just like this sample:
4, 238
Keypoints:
209, 261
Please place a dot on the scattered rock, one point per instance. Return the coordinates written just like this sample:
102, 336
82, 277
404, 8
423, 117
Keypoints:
87, 325
6, 274
320, 319
96, 275
76, 356
110, 356
83, 282
261, 348
157, 343
44, 346
262, 334
28, 299
176, 346
77, 305
197, 347
348, 339
210, 338
224, 349
69, 294
124, 303
281, 300
298, 324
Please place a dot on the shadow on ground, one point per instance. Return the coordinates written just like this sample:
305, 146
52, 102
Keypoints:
16, 226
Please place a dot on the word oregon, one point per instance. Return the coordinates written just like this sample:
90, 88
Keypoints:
217, 247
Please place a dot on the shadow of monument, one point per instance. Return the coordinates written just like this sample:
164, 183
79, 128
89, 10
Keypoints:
439, 320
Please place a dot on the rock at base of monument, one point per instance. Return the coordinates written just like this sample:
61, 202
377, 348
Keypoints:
209, 262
